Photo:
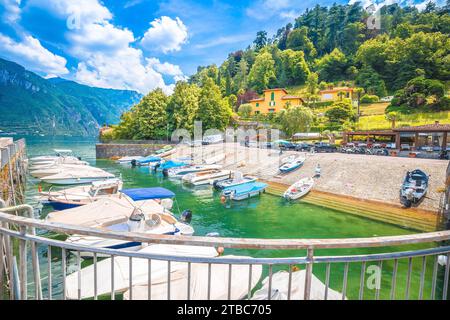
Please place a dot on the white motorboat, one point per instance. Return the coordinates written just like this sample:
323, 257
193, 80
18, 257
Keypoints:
180, 172
237, 179
81, 195
292, 165
206, 177
56, 162
61, 168
77, 177
58, 154
299, 189
244, 191
239, 281
127, 160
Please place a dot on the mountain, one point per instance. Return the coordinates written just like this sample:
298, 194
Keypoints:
30, 104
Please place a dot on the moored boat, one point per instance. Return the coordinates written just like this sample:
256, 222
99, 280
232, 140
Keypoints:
244, 191
56, 169
77, 177
180, 172
237, 179
128, 159
299, 189
292, 165
206, 177
414, 188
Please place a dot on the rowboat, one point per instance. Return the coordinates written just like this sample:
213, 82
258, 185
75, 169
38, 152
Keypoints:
292, 165
101, 273
206, 177
215, 159
244, 191
77, 177
282, 281
238, 179
414, 188
299, 189
180, 172
81, 195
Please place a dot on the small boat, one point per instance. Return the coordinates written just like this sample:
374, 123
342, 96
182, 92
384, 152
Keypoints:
56, 169
57, 162
58, 154
145, 161
180, 172
127, 160
244, 191
77, 177
299, 189
81, 195
169, 164
292, 165
238, 179
206, 177
279, 287
414, 188
139, 270
164, 150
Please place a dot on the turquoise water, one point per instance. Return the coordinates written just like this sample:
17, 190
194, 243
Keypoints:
264, 217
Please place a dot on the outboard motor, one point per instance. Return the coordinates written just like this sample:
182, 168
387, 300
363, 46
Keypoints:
215, 184
186, 216
135, 221
156, 166
133, 163
79, 158
165, 172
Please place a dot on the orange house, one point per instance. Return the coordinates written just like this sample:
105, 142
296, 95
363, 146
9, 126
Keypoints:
274, 100
337, 93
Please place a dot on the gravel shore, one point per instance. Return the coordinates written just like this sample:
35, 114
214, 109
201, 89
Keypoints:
361, 176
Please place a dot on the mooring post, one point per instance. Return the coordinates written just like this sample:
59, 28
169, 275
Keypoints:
308, 275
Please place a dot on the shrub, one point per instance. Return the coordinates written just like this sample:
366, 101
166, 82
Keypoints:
369, 98
245, 110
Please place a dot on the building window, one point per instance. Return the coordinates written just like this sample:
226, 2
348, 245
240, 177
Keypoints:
257, 104
271, 110
348, 94
272, 96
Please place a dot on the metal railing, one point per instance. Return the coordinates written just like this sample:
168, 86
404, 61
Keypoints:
391, 267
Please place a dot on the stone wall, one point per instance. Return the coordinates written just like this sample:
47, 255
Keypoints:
12, 171
111, 150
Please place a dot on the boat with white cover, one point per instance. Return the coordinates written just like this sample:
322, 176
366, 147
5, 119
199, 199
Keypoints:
237, 179
180, 172
81, 195
299, 189
60, 168
58, 154
206, 177
139, 270
143, 210
57, 162
241, 279
77, 177
280, 284
214, 159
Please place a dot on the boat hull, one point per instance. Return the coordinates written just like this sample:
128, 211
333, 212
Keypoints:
70, 181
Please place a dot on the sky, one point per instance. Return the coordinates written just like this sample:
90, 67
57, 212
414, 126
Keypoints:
136, 44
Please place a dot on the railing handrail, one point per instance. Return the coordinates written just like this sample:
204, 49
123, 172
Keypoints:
242, 243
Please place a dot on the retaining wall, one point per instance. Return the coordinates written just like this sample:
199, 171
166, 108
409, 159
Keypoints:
111, 150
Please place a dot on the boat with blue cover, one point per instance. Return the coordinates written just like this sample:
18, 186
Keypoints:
146, 160
244, 191
292, 165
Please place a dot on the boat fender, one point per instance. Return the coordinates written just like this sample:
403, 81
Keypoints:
186, 216
39, 188
223, 199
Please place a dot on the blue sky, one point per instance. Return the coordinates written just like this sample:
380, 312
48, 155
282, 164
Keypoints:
135, 44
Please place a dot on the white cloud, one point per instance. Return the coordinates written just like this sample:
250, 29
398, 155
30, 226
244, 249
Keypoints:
167, 69
165, 34
12, 10
32, 55
225, 40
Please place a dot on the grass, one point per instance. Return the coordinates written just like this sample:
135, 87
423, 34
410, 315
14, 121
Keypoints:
373, 108
378, 121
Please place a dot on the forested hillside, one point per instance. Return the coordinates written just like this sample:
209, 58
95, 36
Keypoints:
408, 56
33, 105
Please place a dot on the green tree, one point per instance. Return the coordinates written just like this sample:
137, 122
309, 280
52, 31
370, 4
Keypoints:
294, 68
295, 119
332, 67
339, 112
214, 111
262, 73
245, 110
151, 116
393, 117
298, 40
260, 40
183, 105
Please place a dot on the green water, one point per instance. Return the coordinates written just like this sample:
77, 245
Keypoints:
265, 217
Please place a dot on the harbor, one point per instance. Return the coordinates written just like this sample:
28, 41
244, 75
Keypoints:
259, 230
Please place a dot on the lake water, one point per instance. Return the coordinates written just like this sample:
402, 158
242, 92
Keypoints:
264, 217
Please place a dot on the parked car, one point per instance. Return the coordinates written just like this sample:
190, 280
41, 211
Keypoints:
287, 146
324, 147
303, 146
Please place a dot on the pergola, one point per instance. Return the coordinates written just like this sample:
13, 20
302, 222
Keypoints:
369, 135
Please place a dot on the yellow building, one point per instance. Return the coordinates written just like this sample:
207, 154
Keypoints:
274, 100
337, 93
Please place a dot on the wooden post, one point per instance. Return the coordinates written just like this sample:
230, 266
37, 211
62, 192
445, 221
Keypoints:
444, 141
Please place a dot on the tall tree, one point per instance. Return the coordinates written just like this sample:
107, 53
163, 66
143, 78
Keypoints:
262, 73
151, 116
333, 66
298, 40
214, 111
183, 105
260, 40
